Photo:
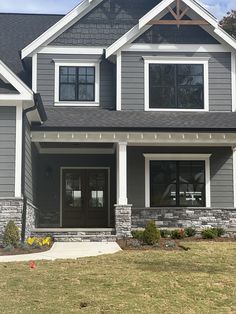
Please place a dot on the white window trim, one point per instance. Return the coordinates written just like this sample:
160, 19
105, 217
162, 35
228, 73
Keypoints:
77, 63
175, 60
176, 157
18, 151
233, 73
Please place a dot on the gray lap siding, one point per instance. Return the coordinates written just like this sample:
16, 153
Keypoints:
7, 151
221, 173
220, 87
46, 78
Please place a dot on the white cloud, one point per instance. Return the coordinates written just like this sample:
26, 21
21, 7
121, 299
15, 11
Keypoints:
218, 7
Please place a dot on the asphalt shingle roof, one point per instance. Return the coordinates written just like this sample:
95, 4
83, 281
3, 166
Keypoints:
93, 119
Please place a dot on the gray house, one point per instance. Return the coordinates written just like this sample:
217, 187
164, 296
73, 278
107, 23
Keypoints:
119, 112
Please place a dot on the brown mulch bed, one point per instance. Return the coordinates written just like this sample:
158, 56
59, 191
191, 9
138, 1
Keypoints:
19, 251
166, 243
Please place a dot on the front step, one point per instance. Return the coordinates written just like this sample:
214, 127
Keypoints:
77, 235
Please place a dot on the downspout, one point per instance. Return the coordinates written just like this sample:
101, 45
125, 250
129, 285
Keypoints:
24, 210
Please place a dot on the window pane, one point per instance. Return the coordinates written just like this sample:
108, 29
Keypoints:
67, 92
86, 92
192, 194
190, 69
162, 183
162, 74
90, 71
162, 97
190, 97
190, 80
82, 70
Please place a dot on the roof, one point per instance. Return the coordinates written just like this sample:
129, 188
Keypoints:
17, 31
95, 119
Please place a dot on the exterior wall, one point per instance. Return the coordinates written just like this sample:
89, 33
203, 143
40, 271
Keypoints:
185, 217
221, 173
170, 34
46, 78
30, 165
106, 23
7, 151
132, 79
12, 209
48, 191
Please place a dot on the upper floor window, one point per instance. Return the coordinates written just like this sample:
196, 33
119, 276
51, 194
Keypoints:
176, 84
76, 84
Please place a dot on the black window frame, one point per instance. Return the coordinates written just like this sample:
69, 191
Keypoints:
177, 204
176, 86
77, 84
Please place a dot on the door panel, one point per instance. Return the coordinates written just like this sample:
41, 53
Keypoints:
85, 198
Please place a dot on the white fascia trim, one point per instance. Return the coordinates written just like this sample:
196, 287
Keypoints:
34, 72
234, 174
72, 50
72, 17
176, 60
204, 157
118, 80
25, 92
18, 151
175, 48
77, 63
233, 72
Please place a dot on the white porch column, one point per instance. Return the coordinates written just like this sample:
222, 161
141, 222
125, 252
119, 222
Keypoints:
234, 174
121, 164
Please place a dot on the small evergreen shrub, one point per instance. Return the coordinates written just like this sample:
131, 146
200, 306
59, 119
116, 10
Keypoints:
8, 248
190, 232
220, 231
137, 234
165, 233
11, 234
177, 234
151, 234
209, 233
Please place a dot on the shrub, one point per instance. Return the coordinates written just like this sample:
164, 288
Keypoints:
190, 232
177, 234
36, 242
8, 248
209, 233
11, 234
151, 234
165, 233
137, 234
220, 231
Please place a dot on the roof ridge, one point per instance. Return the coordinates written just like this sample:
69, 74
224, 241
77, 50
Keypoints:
22, 13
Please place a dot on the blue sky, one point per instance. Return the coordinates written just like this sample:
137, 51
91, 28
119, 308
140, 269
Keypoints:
217, 7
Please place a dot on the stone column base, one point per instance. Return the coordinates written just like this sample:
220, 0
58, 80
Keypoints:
123, 221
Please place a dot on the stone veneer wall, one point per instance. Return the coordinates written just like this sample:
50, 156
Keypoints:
11, 209
123, 221
185, 217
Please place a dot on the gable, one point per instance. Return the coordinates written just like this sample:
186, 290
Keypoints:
105, 23
7, 88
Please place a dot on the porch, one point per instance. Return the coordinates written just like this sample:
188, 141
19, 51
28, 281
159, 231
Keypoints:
86, 181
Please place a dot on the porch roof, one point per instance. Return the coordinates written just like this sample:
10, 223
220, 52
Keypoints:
97, 119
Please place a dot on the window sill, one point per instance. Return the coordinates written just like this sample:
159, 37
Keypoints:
76, 104
176, 110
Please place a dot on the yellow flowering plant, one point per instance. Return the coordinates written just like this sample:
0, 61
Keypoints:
39, 242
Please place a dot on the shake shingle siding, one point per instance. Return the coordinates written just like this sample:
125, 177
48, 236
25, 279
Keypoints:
7, 151
105, 24
220, 92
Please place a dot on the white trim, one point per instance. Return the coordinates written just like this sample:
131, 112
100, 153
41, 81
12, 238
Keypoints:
234, 174
108, 195
175, 48
118, 80
157, 12
233, 71
175, 60
152, 138
67, 21
34, 72
75, 50
77, 63
121, 173
25, 92
18, 151
74, 151
204, 157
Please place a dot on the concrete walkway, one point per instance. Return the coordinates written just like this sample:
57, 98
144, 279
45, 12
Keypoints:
67, 250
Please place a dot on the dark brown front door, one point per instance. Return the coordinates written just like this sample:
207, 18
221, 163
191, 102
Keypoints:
84, 198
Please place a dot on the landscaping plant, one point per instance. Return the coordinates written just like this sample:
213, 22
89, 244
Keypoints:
165, 233
190, 232
177, 234
137, 234
11, 235
209, 233
151, 234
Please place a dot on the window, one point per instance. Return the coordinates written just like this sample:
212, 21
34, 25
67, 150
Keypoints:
76, 83
176, 84
177, 183
177, 180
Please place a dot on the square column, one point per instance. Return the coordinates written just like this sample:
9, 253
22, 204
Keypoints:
121, 172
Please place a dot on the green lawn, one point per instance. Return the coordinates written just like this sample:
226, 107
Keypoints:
202, 280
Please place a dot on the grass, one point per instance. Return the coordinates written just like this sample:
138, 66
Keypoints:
202, 280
